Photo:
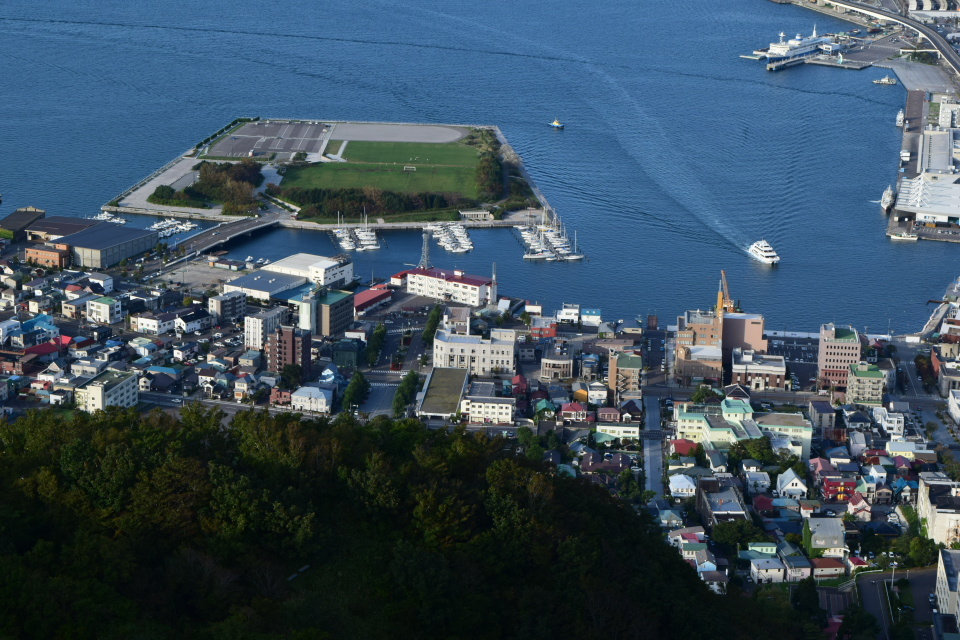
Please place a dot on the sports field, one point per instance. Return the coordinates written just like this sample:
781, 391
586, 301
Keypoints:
411, 153
388, 177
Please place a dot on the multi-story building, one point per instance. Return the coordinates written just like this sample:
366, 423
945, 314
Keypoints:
700, 329
865, 384
625, 374
257, 327
946, 590
196, 319
481, 405
481, 357
451, 285
717, 426
839, 348
228, 307
288, 345
742, 331
47, 256
757, 371
326, 272
108, 389
938, 504
104, 310
556, 363
334, 311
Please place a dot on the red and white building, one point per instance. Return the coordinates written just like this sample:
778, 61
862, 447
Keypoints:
448, 285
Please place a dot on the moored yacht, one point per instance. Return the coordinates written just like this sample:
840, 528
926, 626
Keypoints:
762, 251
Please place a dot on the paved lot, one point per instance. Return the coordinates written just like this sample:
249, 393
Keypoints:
375, 132
138, 197
918, 76
266, 137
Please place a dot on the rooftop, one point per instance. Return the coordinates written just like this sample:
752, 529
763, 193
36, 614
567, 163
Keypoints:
301, 262
106, 235
864, 370
21, 218
451, 275
108, 379
268, 281
443, 391
61, 225
625, 361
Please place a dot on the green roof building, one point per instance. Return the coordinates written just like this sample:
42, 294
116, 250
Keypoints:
865, 384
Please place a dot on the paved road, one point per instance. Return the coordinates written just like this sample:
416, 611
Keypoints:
652, 448
874, 600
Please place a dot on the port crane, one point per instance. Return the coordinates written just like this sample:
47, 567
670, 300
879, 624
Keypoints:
725, 303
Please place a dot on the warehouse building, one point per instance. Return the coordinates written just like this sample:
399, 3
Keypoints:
106, 244
56, 227
329, 272
14, 226
262, 285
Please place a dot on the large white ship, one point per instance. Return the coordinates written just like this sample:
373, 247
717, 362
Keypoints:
798, 47
762, 251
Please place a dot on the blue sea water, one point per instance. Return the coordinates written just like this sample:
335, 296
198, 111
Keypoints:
677, 153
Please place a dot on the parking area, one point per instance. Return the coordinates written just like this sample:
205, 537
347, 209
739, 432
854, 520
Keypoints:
270, 136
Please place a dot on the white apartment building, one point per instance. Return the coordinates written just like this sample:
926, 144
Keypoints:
948, 568
938, 503
451, 285
257, 327
892, 422
104, 310
481, 357
488, 410
108, 389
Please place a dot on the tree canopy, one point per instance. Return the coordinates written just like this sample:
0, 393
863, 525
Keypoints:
120, 525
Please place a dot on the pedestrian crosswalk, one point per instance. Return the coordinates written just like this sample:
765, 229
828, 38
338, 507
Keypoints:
385, 384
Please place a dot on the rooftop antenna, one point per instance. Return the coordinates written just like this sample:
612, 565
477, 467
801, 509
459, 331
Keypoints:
425, 253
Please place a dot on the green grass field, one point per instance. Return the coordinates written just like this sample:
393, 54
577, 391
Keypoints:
338, 175
411, 153
333, 147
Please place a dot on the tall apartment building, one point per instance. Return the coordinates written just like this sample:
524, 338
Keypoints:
948, 576
228, 307
335, 312
289, 345
865, 384
481, 357
108, 389
625, 373
258, 327
839, 348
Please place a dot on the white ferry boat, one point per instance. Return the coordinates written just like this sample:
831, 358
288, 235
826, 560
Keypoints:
888, 198
798, 47
762, 251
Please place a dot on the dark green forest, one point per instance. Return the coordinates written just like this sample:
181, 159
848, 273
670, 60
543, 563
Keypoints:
121, 525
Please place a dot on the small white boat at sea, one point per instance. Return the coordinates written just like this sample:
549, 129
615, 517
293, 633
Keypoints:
904, 236
763, 252
885, 80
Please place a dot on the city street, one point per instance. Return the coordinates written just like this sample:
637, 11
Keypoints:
874, 600
652, 448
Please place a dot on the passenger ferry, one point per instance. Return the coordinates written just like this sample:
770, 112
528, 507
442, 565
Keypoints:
762, 251
798, 47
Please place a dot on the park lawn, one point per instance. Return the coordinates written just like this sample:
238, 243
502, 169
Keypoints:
333, 147
342, 175
411, 153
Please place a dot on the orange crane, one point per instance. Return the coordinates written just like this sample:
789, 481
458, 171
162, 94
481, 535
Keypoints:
724, 303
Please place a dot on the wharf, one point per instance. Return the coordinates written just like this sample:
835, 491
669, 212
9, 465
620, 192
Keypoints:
830, 61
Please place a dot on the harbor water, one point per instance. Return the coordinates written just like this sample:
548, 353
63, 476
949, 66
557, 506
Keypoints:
677, 153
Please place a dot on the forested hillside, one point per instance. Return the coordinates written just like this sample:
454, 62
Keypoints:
125, 526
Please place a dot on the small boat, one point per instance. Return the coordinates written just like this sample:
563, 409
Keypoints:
556, 124
888, 198
249, 259
905, 236
885, 80
900, 118
260, 261
762, 251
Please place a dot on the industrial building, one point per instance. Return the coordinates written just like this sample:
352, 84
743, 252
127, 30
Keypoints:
106, 244
56, 227
14, 226
263, 285
329, 272
47, 256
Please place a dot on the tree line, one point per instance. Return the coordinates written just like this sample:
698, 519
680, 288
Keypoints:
120, 525
353, 202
